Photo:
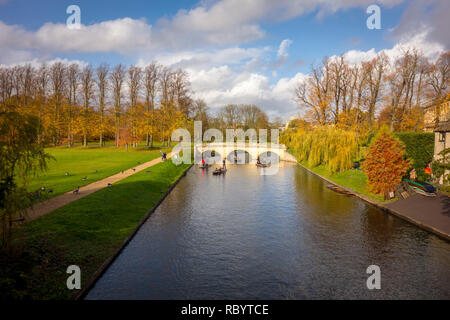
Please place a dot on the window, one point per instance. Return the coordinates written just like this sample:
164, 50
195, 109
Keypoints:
441, 136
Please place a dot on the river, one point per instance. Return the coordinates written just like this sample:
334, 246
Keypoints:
248, 236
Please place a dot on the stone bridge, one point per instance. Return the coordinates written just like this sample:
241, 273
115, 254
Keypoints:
239, 152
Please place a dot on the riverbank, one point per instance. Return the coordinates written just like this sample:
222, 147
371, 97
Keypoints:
86, 233
431, 214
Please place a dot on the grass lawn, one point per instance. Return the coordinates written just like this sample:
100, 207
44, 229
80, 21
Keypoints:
85, 233
80, 162
354, 179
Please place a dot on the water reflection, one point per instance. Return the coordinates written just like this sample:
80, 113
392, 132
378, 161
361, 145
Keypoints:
248, 236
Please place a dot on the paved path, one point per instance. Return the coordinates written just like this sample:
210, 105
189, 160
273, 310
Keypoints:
432, 213
52, 204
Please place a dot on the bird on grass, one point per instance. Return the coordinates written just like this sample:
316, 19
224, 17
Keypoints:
76, 190
67, 173
134, 169
43, 188
50, 191
84, 178
109, 185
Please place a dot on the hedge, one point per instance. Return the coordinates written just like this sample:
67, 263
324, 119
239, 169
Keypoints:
419, 147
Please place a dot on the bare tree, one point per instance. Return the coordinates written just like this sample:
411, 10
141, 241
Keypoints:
58, 85
134, 85
315, 93
151, 76
102, 86
165, 85
87, 87
117, 79
73, 78
180, 88
438, 79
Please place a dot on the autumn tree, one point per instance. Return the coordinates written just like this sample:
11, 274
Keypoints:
151, 76
134, 86
87, 87
58, 85
385, 163
73, 78
117, 80
102, 86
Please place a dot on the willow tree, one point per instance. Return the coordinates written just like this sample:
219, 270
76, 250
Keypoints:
20, 156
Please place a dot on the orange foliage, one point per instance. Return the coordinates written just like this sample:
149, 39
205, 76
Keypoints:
385, 163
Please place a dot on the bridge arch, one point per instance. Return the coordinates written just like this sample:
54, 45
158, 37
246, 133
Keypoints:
239, 156
212, 156
269, 156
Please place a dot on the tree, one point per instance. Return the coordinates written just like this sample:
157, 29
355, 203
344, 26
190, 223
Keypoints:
200, 112
87, 87
58, 84
73, 78
117, 79
385, 163
134, 86
102, 86
20, 156
151, 75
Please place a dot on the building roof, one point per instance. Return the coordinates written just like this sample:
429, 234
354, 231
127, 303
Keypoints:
443, 126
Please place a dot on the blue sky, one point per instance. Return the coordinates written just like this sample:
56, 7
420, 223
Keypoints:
246, 51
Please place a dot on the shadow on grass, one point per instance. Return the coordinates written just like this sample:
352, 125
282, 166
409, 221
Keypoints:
85, 233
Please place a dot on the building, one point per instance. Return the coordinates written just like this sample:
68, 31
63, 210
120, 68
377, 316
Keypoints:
432, 111
292, 118
441, 141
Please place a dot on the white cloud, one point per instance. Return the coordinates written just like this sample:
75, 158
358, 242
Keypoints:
284, 46
221, 86
118, 35
202, 59
421, 41
220, 23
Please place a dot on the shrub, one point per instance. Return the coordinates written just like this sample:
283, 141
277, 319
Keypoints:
385, 163
419, 147
441, 166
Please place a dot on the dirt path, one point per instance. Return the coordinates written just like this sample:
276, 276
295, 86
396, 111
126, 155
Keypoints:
52, 204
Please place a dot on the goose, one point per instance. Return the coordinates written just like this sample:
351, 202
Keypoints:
84, 178
76, 190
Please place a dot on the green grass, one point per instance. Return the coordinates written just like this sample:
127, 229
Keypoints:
80, 162
85, 233
353, 179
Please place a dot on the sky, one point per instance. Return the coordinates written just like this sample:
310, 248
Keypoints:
235, 51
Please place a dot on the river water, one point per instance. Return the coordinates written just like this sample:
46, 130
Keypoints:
248, 236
